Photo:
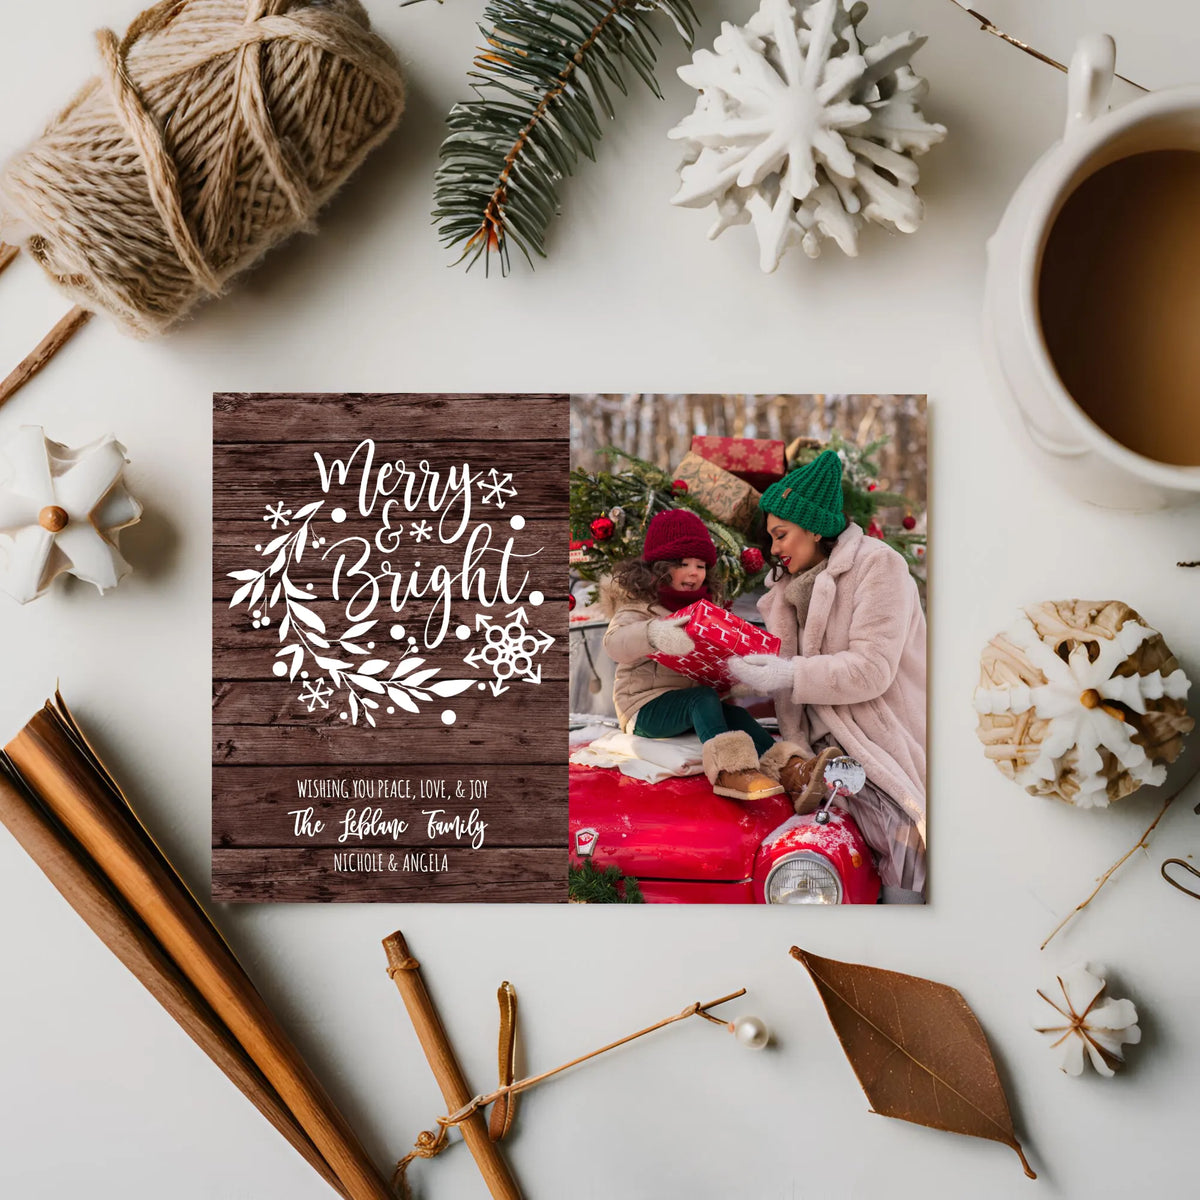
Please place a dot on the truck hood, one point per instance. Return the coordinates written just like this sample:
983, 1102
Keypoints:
676, 829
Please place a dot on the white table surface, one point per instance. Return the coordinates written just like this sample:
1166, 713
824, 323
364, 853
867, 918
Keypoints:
101, 1094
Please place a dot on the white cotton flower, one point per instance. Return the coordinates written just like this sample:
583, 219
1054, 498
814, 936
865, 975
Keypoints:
1099, 1027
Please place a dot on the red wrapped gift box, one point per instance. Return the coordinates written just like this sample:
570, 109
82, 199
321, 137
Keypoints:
719, 636
580, 550
758, 461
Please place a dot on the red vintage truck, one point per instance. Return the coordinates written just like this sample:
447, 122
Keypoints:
685, 845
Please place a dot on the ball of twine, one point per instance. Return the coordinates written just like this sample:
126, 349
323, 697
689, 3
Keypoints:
215, 130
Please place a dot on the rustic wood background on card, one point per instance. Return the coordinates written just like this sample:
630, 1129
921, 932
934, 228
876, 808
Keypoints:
306, 804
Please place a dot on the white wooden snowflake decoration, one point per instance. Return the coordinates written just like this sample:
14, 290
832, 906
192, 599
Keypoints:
802, 130
61, 508
1090, 701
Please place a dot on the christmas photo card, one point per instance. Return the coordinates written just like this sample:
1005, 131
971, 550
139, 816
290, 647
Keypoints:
747, 649
390, 685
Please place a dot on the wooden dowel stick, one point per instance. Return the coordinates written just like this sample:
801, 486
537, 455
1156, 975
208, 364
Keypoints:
406, 974
95, 815
78, 882
43, 352
7, 254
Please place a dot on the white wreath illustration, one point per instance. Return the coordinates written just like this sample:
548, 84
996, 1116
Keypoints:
365, 683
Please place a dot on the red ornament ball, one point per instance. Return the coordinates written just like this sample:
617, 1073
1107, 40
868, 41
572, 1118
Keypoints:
679, 486
752, 559
872, 486
570, 604
602, 529
909, 522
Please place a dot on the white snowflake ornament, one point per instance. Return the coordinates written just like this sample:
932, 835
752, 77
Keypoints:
1087, 1023
802, 130
60, 510
1082, 701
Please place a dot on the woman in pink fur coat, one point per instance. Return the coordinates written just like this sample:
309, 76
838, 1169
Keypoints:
850, 673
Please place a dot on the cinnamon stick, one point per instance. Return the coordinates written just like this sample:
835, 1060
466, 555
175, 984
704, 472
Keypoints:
7, 254
90, 807
77, 881
43, 352
406, 974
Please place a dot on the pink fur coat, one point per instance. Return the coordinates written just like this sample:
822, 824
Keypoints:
859, 663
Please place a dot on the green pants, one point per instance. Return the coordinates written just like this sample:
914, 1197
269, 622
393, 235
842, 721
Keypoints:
697, 708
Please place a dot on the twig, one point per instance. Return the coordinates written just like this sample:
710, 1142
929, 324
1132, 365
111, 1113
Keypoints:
1140, 844
521, 1085
45, 350
988, 27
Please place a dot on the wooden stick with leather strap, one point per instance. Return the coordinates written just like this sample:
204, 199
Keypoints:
406, 974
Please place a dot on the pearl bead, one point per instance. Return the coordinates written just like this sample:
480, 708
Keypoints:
751, 1032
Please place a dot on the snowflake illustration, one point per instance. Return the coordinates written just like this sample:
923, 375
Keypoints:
1073, 701
314, 693
421, 530
277, 515
509, 650
495, 488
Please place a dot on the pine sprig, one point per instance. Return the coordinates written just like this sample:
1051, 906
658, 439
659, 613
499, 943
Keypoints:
546, 67
589, 884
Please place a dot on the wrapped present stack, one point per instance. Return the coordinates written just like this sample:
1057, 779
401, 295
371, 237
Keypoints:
727, 475
719, 636
757, 461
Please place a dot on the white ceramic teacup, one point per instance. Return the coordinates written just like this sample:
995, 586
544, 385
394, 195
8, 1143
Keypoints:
1074, 448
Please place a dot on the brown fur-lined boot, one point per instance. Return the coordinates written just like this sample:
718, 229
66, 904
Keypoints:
803, 778
731, 764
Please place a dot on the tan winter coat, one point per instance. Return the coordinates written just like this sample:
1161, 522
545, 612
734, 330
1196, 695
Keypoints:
859, 663
639, 679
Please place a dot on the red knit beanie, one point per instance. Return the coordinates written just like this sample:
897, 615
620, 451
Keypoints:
678, 533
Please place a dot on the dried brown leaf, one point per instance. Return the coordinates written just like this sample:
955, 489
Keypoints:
917, 1049
505, 1107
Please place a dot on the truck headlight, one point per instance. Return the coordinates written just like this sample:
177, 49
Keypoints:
803, 878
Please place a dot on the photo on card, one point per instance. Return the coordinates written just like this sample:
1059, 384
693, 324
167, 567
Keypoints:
390, 675
748, 649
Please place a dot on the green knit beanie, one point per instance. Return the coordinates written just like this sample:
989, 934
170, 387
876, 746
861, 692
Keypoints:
810, 496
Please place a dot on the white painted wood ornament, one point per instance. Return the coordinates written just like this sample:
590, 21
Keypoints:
60, 511
804, 131
1082, 701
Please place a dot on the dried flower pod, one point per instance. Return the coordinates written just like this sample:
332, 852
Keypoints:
1082, 701
1089, 1023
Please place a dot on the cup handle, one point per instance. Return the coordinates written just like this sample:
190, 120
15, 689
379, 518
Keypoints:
1089, 80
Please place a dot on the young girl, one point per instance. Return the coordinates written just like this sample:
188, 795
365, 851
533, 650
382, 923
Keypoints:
675, 570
